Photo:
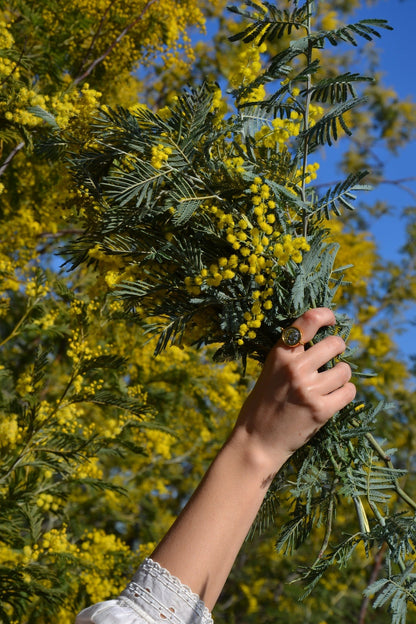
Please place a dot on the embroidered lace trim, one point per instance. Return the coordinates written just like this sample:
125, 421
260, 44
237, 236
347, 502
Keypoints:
164, 596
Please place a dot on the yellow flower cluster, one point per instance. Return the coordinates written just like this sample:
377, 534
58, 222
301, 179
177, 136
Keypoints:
110, 271
112, 427
311, 173
6, 37
48, 320
69, 419
251, 593
161, 29
9, 556
8, 280
24, 384
282, 130
248, 69
8, 430
26, 218
98, 552
56, 541
219, 106
90, 469
235, 164
159, 443
8, 67
74, 104
80, 349
280, 133
18, 112
315, 113
36, 290
361, 247
98, 556
330, 20
15, 107
47, 502
261, 248
160, 155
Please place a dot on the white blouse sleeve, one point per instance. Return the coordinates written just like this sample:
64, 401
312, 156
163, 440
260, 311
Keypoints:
152, 597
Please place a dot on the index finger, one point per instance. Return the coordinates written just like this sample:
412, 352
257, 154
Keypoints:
309, 323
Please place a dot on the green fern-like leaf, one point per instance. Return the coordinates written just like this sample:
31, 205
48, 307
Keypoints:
270, 23
366, 29
326, 129
341, 195
395, 591
295, 532
337, 89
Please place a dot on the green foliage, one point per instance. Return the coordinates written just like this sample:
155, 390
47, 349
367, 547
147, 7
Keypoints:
165, 215
69, 534
182, 197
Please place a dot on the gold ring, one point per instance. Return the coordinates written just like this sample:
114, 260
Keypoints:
292, 336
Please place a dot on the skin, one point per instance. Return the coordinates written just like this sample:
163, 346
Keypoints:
290, 402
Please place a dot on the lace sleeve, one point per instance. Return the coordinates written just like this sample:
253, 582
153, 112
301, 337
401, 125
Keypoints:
152, 597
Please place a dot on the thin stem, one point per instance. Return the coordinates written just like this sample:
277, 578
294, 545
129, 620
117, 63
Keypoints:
28, 448
16, 328
96, 35
16, 65
386, 459
111, 47
328, 528
306, 126
378, 562
11, 156
382, 522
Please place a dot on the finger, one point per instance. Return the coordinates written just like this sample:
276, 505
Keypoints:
322, 352
310, 322
336, 377
339, 398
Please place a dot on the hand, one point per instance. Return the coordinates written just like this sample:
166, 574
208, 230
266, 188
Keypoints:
291, 400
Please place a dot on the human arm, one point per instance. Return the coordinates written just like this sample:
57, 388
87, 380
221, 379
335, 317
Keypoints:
290, 402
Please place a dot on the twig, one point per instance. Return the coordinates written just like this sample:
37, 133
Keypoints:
61, 233
16, 65
305, 217
18, 325
386, 459
11, 156
328, 529
96, 35
378, 562
111, 47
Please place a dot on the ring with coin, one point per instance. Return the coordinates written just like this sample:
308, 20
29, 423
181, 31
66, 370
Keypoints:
292, 336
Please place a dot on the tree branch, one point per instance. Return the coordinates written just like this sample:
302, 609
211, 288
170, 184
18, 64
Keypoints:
111, 47
11, 156
378, 562
95, 37
16, 65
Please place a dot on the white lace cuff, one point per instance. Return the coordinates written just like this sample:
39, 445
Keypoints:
163, 597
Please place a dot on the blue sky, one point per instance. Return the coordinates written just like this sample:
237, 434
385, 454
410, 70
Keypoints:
397, 53
396, 49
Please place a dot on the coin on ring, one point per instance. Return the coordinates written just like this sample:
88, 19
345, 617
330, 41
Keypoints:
292, 336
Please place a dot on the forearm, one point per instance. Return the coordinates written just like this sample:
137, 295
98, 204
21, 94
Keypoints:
291, 400
203, 543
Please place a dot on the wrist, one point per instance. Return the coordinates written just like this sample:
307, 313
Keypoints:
260, 460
